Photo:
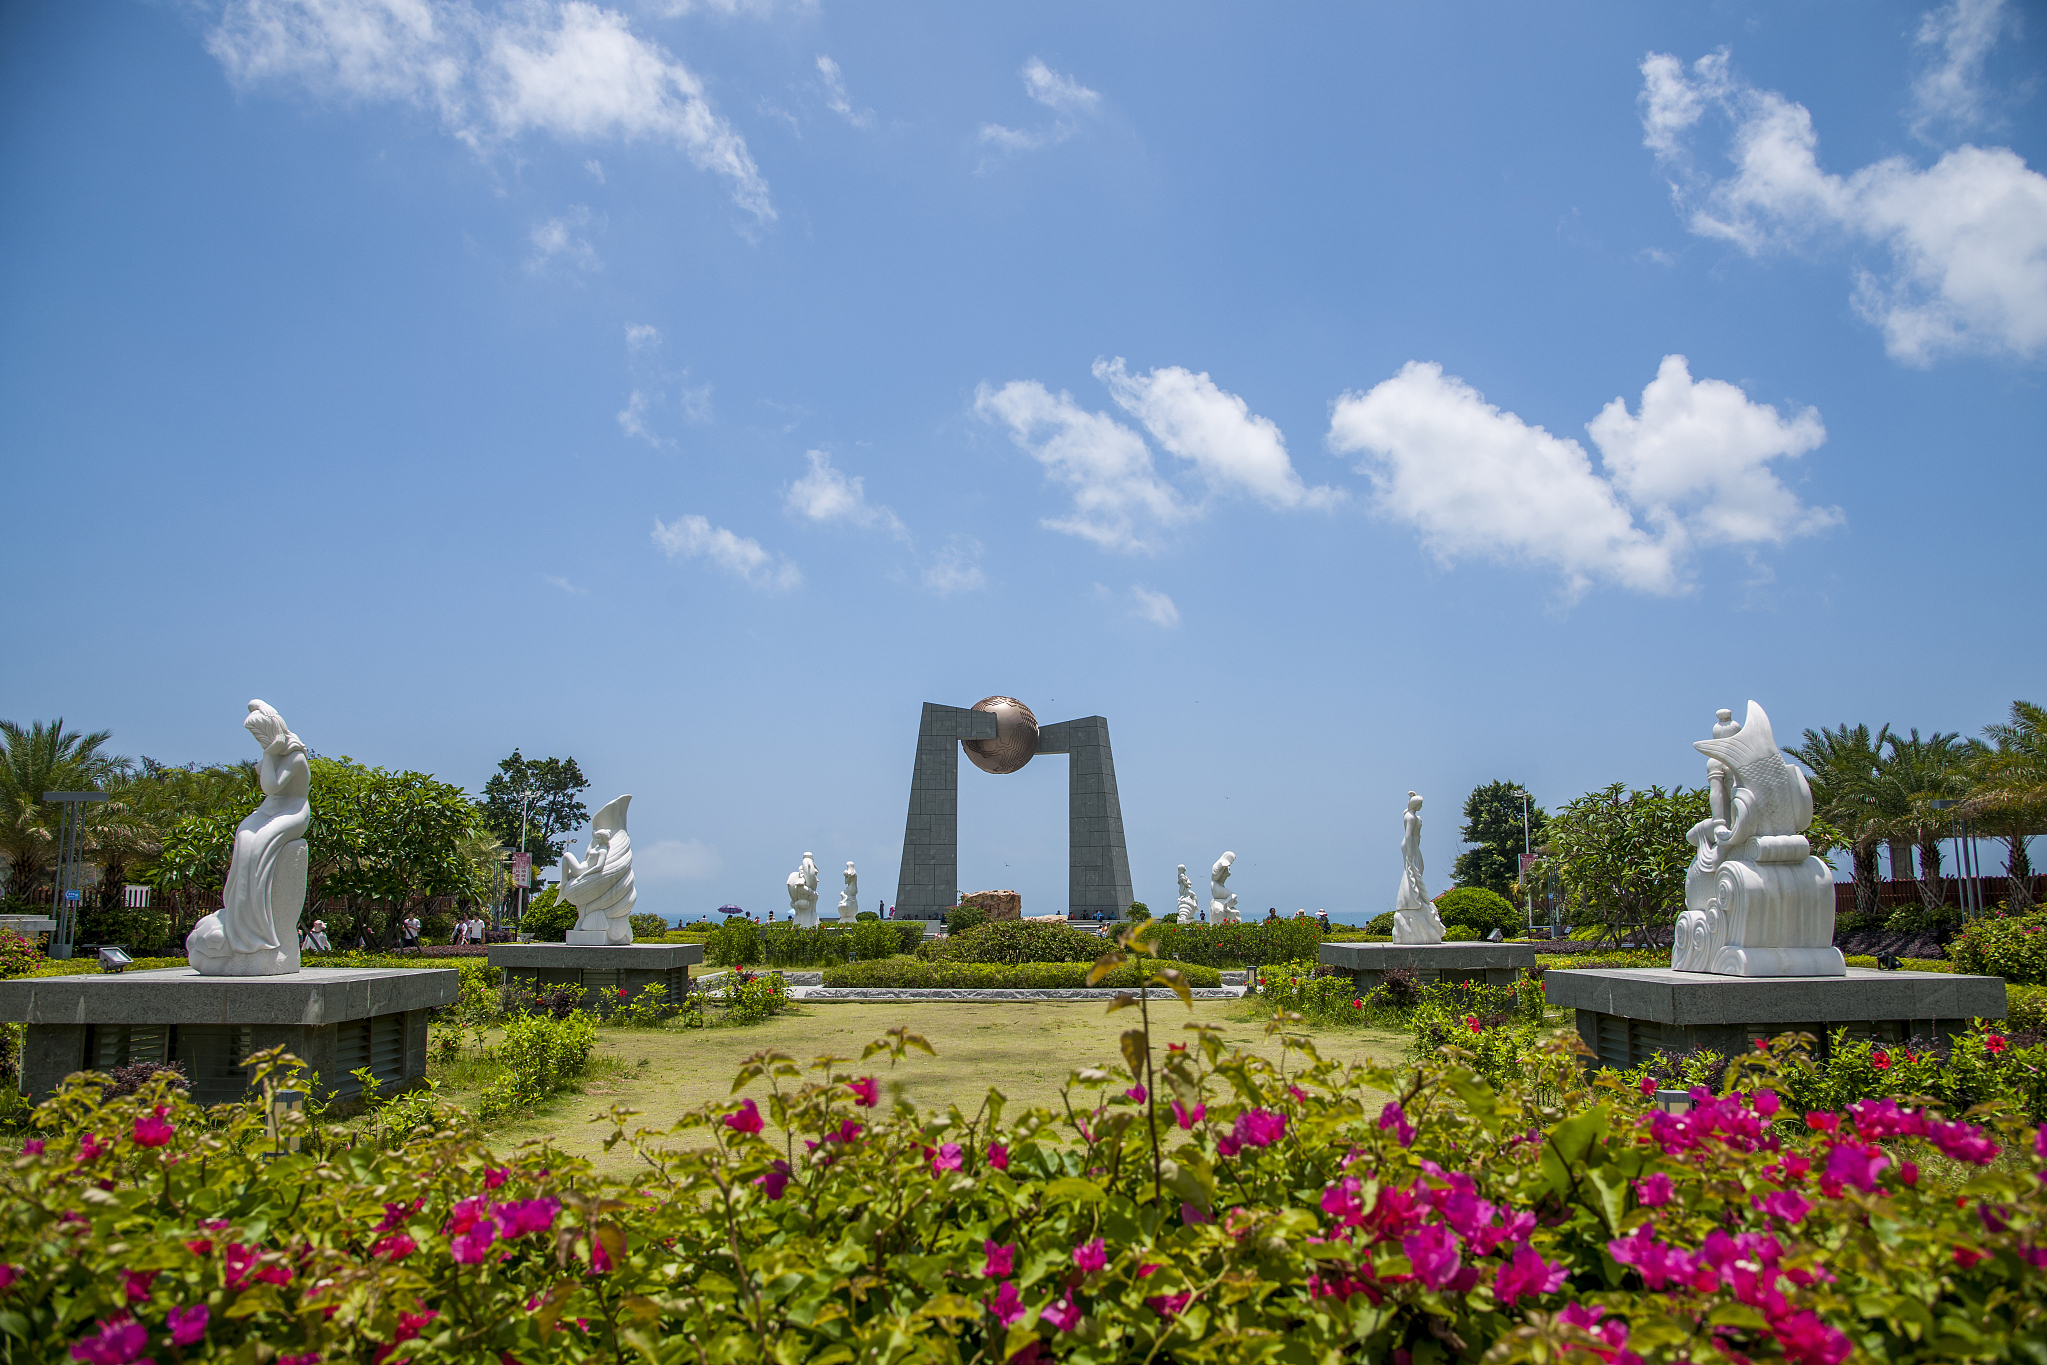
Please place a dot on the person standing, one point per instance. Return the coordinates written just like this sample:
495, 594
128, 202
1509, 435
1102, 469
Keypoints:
410, 931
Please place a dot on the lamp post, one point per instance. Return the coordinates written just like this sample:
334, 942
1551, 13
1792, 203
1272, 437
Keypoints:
1527, 852
65, 892
1967, 883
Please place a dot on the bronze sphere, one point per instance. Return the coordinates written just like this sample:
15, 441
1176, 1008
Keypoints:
1016, 736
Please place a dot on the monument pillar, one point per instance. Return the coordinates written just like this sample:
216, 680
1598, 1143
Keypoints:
928, 884
1097, 861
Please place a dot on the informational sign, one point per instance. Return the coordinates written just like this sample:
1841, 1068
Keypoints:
1528, 861
74, 895
522, 870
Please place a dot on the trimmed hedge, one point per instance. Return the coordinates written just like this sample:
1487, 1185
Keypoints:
918, 974
1481, 909
2011, 946
1240, 945
1019, 940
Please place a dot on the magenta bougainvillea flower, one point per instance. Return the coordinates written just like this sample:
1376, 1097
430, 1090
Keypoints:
1000, 1260
1653, 1190
746, 1118
1007, 1305
119, 1341
1527, 1275
776, 1180
151, 1130
1395, 1118
998, 1156
1186, 1117
1091, 1256
866, 1091
188, 1325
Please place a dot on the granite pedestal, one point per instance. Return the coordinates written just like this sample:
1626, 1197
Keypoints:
631, 967
1488, 964
335, 1019
1626, 1015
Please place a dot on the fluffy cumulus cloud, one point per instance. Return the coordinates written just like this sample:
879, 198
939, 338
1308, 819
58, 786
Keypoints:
1067, 98
693, 537
1231, 445
1690, 465
1966, 238
1958, 38
1121, 500
566, 68
829, 494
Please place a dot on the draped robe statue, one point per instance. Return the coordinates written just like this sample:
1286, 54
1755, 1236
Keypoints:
600, 883
1222, 902
803, 895
1414, 916
1190, 908
1757, 902
256, 930
849, 899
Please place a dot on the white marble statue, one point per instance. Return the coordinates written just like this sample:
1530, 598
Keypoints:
600, 883
256, 930
1757, 902
803, 894
1190, 907
1414, 915
849, 899
1222, 902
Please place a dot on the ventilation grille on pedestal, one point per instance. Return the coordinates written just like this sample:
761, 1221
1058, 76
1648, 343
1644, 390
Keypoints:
377, 1044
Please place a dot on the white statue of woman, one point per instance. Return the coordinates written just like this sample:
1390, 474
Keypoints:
849, 899
255, 931
1414, 917
1190, 908
600, 883
1222, 902
803, 894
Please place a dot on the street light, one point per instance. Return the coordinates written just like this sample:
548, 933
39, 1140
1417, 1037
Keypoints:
1967, 883
1527, 854
65, 894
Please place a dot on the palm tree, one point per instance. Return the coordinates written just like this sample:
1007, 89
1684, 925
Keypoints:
1844, 763
2008, 791
1913, 774
35, 760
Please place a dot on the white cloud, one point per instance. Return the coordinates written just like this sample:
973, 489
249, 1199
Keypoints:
557, 239
1967, 237
554, 580
836, 98
1232, 446
1961, 34
728, 9
1699, 452
657, 388
692, 536
828, 494
956, 568
567, 68
1117, 494
1155, 607
640, 336
596, 169
1477, 482
675, 860
1060, 93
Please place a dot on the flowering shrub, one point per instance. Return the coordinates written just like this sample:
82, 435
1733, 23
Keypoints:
18, 956
1189, 1202
2000, 944
1251, 944
750, 999
911, 973
1326, 997
1015, 941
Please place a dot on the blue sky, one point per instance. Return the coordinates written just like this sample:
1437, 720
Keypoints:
1339, 401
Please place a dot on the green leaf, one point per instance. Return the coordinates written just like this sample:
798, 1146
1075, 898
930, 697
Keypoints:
1074, 1189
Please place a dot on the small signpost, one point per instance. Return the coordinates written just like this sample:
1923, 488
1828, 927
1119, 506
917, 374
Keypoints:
70, 836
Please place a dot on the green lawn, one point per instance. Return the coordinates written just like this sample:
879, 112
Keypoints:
1026, 1050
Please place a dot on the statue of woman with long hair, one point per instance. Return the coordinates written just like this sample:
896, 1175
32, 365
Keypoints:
255, 931
1414, 918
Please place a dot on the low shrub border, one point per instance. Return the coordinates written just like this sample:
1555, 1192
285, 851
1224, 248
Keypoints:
916, 974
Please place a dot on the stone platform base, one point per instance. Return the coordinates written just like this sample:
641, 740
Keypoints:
1490, 964
1626, 1015
631, 967
337, 1020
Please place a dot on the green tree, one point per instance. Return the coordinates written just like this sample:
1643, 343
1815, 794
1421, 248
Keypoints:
36, 759
2008, 790
1621, 855
1492, 821
1912, 774
552, 809
1844, 763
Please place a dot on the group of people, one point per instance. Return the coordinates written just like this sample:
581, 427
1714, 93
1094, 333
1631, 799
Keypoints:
314, 938
469, 930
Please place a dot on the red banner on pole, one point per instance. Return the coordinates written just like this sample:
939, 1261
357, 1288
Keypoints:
522, 870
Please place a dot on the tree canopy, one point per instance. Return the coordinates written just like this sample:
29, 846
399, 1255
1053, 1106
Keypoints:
1492, 821
1621, 855
553, 809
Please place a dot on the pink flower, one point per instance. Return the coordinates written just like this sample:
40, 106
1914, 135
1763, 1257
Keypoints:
120, 1340
188, 1325
135, 1284
1963, 1142
1908, 1173
1138, 1093
1967, 1257
1433, 1253
1766, 1102
1880, 1059
1006, 1305
1789, 1205
745, 1119
1851, 1163
152, 1131
1342, 1203
395, 1216
1169, 1305
600, 1259
396, 1247
1187, 1118
495, 1177
8, 1275
1001, 1260
776, 1180
470, 1247
1091, 1256
1808, 1341
522, 1216
302, 1358
2039, 1142
1259, 1127
998, 1156
34, 1146
1525, 1275
866, 1091
1062, 1313
947, 1158
90, 1148
1994, 1043
1191, 1215
1654, 1190
1394, 1117
1647, 1086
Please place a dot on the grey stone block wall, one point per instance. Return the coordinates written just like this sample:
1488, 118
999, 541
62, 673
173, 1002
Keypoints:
1097, 860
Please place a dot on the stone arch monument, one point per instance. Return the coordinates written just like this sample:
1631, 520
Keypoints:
1000, 735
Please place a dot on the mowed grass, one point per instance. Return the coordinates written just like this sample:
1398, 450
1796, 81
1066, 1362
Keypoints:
1026, 1050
